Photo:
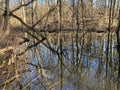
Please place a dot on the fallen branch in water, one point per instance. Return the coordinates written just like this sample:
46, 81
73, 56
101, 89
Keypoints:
10, 80
31, 46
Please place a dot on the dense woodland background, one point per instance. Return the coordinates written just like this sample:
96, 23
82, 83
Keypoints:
59, 45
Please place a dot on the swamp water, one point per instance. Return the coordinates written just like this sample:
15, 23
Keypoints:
88, 73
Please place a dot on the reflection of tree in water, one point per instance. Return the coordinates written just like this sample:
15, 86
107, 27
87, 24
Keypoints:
72, 39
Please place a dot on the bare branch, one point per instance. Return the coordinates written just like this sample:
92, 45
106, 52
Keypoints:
2, 51
10, 80
21, 6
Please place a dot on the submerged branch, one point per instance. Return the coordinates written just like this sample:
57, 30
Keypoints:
10, 80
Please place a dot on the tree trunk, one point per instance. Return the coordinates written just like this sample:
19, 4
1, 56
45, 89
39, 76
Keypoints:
6, 16
23, 14
118, 42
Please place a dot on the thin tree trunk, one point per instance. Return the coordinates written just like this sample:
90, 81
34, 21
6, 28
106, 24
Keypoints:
73, 6
60, 42
83, 27
78, 28
118, 42
6, 29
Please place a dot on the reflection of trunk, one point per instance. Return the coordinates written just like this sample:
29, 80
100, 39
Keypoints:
111, 50
112, 21
73, 5
107, 48
60, 41
83, 27
73, 61
78, 27
118, 42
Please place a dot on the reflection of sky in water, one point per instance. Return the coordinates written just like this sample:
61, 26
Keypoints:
47, 56
104, 48
33, 87
93, 70
50, 58
24, 80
